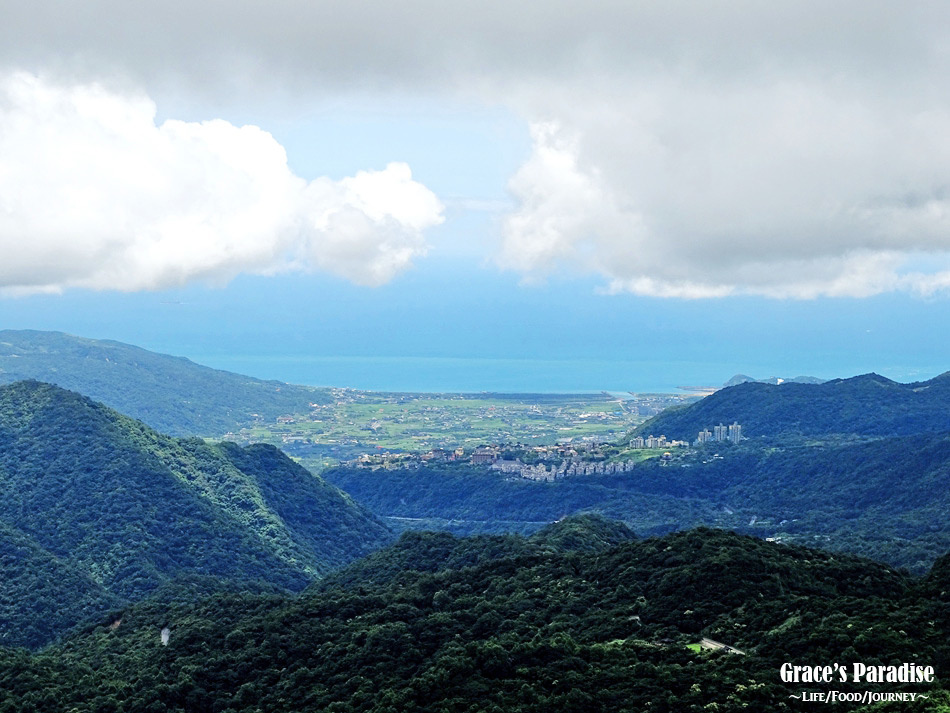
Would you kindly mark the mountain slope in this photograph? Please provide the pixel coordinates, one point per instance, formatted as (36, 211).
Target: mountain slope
(131, 508)
(320, 518)
(41, 596)
(583, 533)
(436, 551)
(526, 632)
(886, 499)
(171, 394)
(868, 405)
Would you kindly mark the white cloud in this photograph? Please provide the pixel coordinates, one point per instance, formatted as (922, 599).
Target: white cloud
(783, 188)
(682, 149)
(94, 194)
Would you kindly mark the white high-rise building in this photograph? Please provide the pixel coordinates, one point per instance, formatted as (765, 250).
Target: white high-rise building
(735, 432)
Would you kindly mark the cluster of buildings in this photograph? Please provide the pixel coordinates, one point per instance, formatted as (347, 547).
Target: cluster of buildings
(408, 460)
(485, 454)
(732, 433)
(546, 463)
(566, 469)
(565, 449)
(652, 441)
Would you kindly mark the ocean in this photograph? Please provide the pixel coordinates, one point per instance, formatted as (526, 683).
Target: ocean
(471, 375)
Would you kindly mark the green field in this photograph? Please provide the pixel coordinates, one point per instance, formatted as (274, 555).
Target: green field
(357, 422)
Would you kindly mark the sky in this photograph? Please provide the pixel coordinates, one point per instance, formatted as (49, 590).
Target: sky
(489, 195)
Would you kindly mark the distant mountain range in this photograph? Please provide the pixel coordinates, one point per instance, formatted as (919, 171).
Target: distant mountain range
(97, 509)
(742, 379)
(868, 405)
(171, 394)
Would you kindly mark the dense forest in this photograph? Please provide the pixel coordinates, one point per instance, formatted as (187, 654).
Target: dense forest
(171, 394)
(577, 618)
(869, 405)
(886, 499)
(96, 508)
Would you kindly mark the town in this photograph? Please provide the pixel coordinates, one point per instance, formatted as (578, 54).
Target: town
(540, 463)
(546, 463)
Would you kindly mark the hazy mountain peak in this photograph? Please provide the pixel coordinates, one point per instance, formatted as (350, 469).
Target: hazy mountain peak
(173, 394)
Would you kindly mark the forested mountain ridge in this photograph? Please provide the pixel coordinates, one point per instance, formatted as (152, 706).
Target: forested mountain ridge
(867, 405)
(117, 508)
(529, 631)
(422, 551)
(171, 394)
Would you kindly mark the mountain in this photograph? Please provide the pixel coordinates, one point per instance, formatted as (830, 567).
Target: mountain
(868, 405)
(589, 532)
(886, 498)
(633, 627)
(171, 394)
(742, 379)
(100, 508)
(426, 551)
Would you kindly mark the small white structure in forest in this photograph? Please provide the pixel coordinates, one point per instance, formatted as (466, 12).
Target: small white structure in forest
(166, 634)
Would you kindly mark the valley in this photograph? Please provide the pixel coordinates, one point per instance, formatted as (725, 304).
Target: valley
(505, 552)
(358, 422)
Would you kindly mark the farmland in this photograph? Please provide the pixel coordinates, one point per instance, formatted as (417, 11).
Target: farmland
(356, 422)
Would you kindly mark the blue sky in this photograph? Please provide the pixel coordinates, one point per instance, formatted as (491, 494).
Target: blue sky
(450, 309)
(587, 197)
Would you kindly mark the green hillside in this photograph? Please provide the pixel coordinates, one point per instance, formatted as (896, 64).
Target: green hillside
(617, 630)
(886, 499)
(868, 405)
(105, 508)
(41, 595)
(171, 394)
(423, 551)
